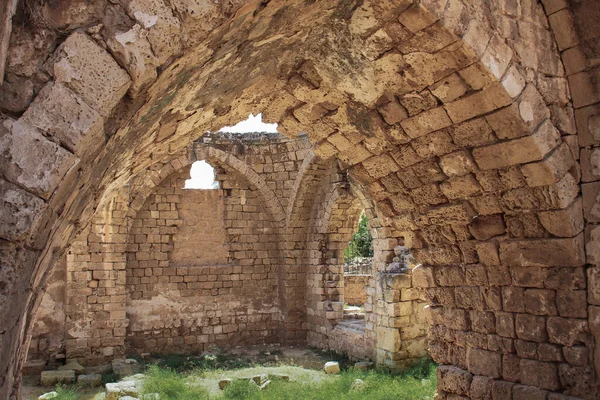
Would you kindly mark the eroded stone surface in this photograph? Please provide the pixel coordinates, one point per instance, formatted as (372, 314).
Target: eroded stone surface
(361, 83)
(32, 161)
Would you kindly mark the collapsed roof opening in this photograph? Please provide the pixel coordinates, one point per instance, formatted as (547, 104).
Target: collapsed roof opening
(252, 124)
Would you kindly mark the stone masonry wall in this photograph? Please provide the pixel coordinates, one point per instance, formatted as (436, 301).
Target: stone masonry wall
(355, 289)
(48, 335)
(210, 279)
(463, 122)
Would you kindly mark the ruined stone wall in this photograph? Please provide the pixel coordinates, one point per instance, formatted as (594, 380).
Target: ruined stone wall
(208, 276)
(96, 293)
(456, 116)
(355, 287)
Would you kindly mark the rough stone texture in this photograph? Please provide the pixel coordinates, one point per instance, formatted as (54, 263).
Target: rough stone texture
(51, 378)
(88, 70)
(355, 289)
(499, 81)
(61, 113)
(32, 161)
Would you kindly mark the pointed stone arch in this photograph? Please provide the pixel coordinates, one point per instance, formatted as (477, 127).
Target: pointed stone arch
(446, 124)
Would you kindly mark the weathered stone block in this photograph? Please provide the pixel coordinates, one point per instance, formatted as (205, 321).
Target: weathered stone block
(591, 201)
(529, 393)
(20, 211)
(114, 391)
(564, 223)
(532, 108)
(576, 355)
(507, 123)
(580, 380)
(164, 29)
(593, 280)
(450, 88)
(90, 72)
(134, 52)
(549, 352)
(484, 101)
(539, 374)
(513, 299)
(572, 303)
(488, 254)
(91, 380)
(528, 276)
(417, 18)
(481, 388)
(557, 196)
(583, 89)
(543, 252)
(531, 328)
(32, 161)
(434, 144)
(380, 166)
(388, 339)
(505, 324)
(565, 278)
(457, 164)
(567, 331)
(426, 122)
(487, 226)
(526, 349)
(483, 362)
(540, 302)
(422, 277)
(502, 390)
(454, 380)
(460, 187)
(518, 151)
(64, 115)
(551, 169)
(588, 125)
(51, 378)
(476, 132)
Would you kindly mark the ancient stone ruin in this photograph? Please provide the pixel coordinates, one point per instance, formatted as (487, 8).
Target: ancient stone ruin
(467, 131)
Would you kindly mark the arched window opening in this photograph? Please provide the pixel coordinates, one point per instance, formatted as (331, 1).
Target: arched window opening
(251, 125)
(202, 176)
(358, 260)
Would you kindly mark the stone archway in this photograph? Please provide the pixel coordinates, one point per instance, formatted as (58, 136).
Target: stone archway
(446, 124)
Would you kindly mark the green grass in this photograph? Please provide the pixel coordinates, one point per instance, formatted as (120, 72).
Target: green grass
(201, 383)
(186, 363)
(65, 393)
(416, 383)
(171, 385)
(378, 386)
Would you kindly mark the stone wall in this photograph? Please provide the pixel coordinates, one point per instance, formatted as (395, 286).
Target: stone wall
(355, 289)
(48, 332)
(208, 275)
(464, 123)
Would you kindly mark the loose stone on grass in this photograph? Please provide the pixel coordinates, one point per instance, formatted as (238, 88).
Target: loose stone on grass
(51, 378)
(363, 365)
(49, 395)
(332, 367)
(91, 380)
(223, 383)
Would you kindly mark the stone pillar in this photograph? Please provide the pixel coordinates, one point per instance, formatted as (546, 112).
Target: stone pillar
(96, 319)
